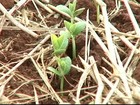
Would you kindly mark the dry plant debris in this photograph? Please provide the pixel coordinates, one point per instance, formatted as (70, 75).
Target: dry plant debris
(106, 69)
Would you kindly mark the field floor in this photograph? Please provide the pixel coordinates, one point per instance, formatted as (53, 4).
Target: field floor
(106, 70)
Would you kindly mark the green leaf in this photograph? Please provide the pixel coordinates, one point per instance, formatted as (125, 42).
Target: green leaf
(72, 28)
(55, 71)
(54, 40)
(59, 43)
(63, 42)
(77, 28)
(66, 33)
(64, 65)
(64, 9)
(59, 51)
(72, 8)
(78, 12)
(67, 25)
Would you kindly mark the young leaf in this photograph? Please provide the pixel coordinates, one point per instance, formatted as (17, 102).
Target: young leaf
(63, 42)
(54, 40)
(72, 8)
(77, 28)
(65, 65)
(78, 12)
(55, 71)
(66, 33)
(59, 43)
(72, 28)
(59, 51)
(64, 9)
(67, 25)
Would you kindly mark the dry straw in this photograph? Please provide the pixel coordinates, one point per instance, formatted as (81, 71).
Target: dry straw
(119, 85)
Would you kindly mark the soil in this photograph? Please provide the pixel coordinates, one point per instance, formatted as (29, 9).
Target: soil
(15, 44)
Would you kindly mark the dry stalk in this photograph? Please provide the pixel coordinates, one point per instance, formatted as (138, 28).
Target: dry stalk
(25, 58)
(135, 89)
(110, 84)
(107, 30)
(2, 88)
(113, 89)
(46, 80)
(98, 98)
(86, 40)
(39, 14)
(40, 29)
(112, 54)
(25, 82)
(87, 46)
(133, 19)
(131, 57)
(78, 68)
(123, 38)
(15, 7)
(3, 85)
(119, 69)
(83, 78)
(44, 6)
(136, 4)
(17, 23)
(125, 34)
(36, 96)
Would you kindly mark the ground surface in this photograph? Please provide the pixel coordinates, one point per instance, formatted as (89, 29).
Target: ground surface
(15, 44)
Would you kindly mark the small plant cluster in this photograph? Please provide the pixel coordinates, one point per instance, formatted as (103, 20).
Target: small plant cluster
(72, 28)
(64, 64)
(60, 43)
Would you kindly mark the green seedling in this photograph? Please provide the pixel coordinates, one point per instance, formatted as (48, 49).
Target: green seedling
(59, 44)
(71, 11)
(64, 65)
(73, 29)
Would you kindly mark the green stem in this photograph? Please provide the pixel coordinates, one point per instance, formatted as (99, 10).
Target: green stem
(98, 13)
(62, 84)
(72, 19)
(73, 48)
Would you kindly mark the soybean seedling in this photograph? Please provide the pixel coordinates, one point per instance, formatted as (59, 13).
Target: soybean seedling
(73, 28)
(64, 64)
(59, 44)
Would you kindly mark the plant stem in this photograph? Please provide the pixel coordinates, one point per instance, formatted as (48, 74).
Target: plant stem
(73, 48)
(98, 13)
(62, 84)
(72, 20)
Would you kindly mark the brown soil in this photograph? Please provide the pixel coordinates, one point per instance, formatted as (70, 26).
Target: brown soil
(15, 44)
